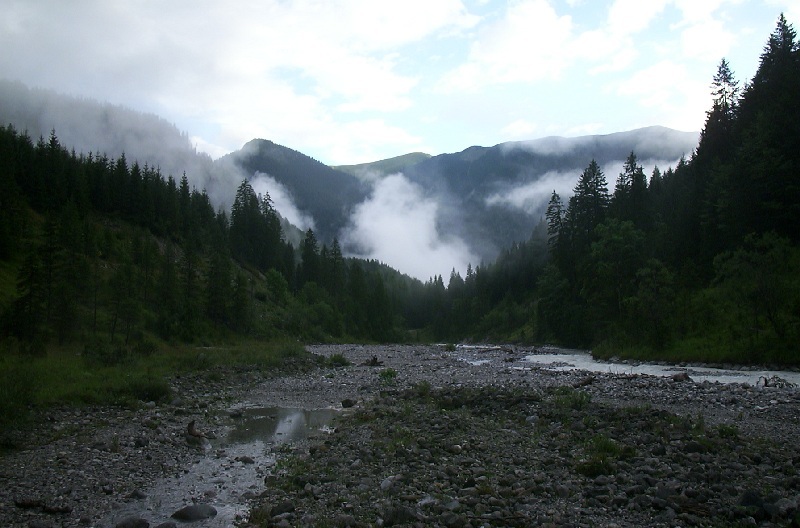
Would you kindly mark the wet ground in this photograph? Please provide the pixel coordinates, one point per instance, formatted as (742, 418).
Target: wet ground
(229, 471)
(94, 467)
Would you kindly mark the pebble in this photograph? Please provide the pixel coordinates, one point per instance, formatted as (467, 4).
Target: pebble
(528, 443)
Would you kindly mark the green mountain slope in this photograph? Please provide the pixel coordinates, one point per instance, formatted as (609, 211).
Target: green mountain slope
(378, 169)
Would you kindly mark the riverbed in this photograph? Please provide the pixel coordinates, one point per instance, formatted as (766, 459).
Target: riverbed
(96, 467)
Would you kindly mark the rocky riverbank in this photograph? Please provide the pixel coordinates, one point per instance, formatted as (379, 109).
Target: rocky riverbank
(73, 467)
(491, 442)
(431, 436)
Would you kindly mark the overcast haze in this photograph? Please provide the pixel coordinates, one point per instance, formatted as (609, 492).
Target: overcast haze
(356, 81)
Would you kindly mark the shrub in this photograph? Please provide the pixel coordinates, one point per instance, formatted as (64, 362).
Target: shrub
(387, 375)
(338, 360)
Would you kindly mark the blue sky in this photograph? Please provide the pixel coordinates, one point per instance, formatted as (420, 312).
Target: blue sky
(356, 81)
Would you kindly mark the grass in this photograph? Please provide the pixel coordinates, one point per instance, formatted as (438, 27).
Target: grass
(337, 360)
(387, 376)
(68, 376)
(600, 456)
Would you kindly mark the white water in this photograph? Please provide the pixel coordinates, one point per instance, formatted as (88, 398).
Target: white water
(555, 359)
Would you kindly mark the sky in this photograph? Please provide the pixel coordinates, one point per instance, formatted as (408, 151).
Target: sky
(356, 81)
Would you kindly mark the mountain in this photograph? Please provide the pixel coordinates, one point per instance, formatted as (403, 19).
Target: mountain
(482, 198)
(486, 197)
(326, 194)
(86, 125)
(378, 169)
(495, 196)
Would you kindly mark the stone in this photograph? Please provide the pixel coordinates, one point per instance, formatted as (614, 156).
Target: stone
(132, 522)
(40, 524)
(785, 507)
(398, 514)
(195, 512)
(281, 508)
(388, 482)
(168, 524)
(344, 520)
(28, 503)
(56, 508)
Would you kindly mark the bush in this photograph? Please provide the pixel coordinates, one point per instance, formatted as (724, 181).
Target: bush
(387, 375)
(338, 360)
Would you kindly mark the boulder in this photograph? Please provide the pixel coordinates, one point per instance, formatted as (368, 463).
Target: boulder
(195, 512)
(132, 522)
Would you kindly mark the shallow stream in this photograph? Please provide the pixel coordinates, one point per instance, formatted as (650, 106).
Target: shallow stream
(579, 360)
(229, 470)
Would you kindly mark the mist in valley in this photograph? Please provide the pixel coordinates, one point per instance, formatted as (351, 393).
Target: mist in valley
(447, 213)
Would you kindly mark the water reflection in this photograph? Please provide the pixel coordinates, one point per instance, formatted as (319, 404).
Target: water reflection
(229, 471)
(279, 425)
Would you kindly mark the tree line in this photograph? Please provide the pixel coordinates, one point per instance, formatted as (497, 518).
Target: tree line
(700, 261)
(111, 254)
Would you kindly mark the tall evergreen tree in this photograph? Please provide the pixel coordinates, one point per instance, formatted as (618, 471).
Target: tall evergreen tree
(764, 194)
(587, 206)
(309, 254)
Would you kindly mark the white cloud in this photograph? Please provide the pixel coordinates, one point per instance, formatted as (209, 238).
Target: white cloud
(281, 199)
(305, 71)
(672, 96)
(696, 11)
(626, 17)
(214, 62)
(519, 129)
(708, 40)
(356, 141)
(528, 44)
(533, 197)
(397, 226)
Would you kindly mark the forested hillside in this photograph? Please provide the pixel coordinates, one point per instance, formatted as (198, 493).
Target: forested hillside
(116, 256)
(700, 261)
(696, 261)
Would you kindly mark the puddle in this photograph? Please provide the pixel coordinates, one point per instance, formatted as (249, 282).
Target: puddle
(279, 424)
(577, 360)
(230, 471)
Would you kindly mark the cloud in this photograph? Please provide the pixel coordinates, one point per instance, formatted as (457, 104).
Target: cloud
(678, 100)
(282, 200)
(532, 197)
(397, 225)
(356, 140)
(626, 17)
(526, 45)
(519, 129)
(210, 62)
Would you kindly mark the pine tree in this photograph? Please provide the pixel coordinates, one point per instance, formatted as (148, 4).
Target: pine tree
(764, 195)
(555, 220)
(588, 205)
(309, 255)
(630, 194)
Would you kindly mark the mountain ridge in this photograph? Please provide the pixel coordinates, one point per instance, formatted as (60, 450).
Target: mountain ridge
(484, 197)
